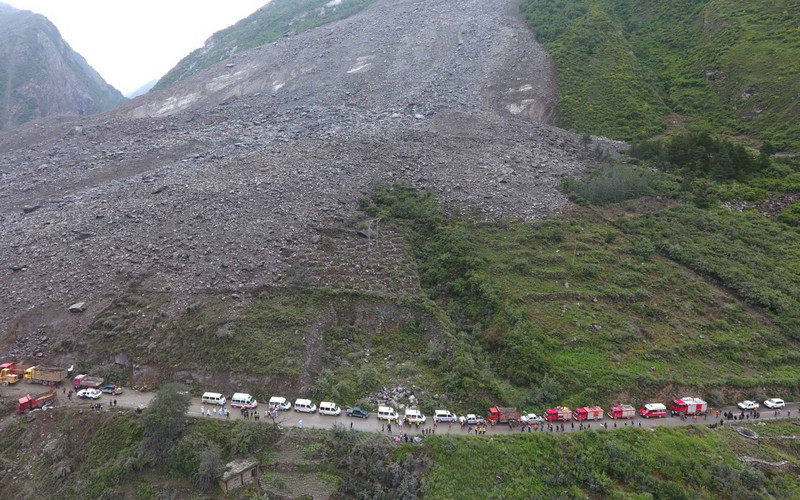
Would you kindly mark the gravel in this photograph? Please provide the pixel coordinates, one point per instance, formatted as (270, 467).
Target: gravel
(233, 179)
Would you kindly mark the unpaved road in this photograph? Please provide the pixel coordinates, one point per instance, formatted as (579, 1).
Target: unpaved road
(131, 400)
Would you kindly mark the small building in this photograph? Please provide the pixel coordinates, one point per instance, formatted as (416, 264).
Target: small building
(238, 474)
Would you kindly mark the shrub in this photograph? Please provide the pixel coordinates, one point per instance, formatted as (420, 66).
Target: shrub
(210, 468)
(612, 183)
(715, 398)
(163, 421)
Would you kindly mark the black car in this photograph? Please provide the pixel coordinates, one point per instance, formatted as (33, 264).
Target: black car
(356, 411)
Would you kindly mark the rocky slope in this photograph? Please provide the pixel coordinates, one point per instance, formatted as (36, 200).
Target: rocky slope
(249, 172)
(42, 75)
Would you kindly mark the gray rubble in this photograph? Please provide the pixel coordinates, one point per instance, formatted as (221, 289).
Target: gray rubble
(227, 181)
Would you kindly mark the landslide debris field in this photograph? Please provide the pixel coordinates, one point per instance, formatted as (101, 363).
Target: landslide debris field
(229, 180)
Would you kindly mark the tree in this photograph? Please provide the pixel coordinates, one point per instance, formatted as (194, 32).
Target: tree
(163, 421)
(210, 468)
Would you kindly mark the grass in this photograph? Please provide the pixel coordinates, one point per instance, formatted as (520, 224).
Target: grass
(630, 463)
(593, 306)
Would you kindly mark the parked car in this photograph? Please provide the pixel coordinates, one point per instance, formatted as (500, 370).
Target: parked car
(89, 394)
(111, 389)
(531, 418)
(444, 416)
(774, 403)
(281, 403)
(471, 419)
(746, 405)
(357, 411)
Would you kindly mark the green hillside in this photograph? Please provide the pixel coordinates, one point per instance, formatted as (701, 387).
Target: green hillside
(266, 25)
(630, 70)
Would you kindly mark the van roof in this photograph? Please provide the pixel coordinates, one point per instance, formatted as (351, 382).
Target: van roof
(411, 411)
(327, 403)
(241, 395)
(212, 395)
(655, 406)
(300, 401)
(385, 408)
(277, 399)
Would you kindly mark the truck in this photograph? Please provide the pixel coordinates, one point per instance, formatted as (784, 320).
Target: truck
(622, 411)
(653, 410)
(588, 413)
(84, 381)
(45, 375)
(11, 373)
(688, 406)
(558, 414)
(29, 402)
(499, 415)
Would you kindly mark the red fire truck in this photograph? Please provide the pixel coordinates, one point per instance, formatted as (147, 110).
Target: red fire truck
(688, 406)
(588, 413)
(622, 411)
(558, 414)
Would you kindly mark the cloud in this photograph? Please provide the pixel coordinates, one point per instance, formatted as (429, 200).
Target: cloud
(131, 43)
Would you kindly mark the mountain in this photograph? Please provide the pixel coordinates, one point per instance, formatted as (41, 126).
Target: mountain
(233, 179)
(42, 75)
(276, 19)
(142, 90)
(375, 211)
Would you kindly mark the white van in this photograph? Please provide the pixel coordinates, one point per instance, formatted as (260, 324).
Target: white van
(213, 398)
(387, 413)
(413, 416)
(329, 408)
(243, 400)
(280, 403)
(444, 416)
(305, 405)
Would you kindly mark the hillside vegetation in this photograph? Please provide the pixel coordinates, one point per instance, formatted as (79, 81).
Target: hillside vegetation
(630, 70)
(269, 23)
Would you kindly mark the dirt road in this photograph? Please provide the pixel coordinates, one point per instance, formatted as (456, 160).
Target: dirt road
(133, 400)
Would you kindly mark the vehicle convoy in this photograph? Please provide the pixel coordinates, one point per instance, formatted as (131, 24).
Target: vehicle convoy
(588, 413)
(29, 402)
(622, 411)
(45, 375)
(498, 415)
(558, 414)
(653, 410)
(84, 381)
(688, 406)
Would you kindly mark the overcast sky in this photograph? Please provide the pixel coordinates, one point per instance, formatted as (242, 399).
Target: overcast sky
(133, 42)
